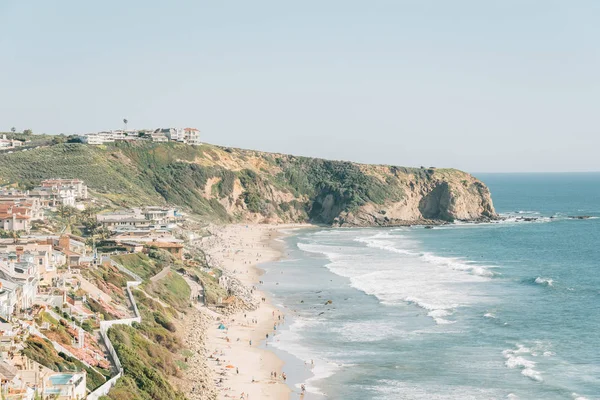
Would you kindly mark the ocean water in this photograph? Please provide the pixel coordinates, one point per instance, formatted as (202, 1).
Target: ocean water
(507, 310)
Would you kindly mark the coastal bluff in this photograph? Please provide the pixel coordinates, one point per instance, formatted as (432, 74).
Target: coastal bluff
(225, 184)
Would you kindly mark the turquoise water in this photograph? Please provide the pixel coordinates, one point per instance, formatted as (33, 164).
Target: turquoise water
(490, 311)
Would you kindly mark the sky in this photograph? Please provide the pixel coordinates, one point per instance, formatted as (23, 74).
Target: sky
(483, 86)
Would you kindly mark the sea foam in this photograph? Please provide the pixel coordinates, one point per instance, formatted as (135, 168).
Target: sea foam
(515, 359)
(410, 276)
(544, 281)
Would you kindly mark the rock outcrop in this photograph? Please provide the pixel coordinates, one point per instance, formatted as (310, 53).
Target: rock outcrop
(447, 198)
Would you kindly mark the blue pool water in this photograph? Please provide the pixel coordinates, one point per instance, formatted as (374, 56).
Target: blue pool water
(489, 311)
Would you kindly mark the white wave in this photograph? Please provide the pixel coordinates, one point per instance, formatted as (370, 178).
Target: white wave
(457, 264)
(544, 281)
(532, 374)
(385, 245)
(423, 279)
(370, 331)
(454, 263)
(578, 397)
(489, 315)
(387, 389)
(512, 396)
(437, 317)
(516, 360)
(290, 340)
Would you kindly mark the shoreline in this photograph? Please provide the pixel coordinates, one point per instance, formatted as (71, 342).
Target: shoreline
(239, 357)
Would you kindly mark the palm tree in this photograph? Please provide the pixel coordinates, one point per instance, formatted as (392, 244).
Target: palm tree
(13, 129)
(125, 122)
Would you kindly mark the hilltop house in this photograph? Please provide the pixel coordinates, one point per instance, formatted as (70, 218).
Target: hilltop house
(191, 136)
(9, 143)
(182, 135)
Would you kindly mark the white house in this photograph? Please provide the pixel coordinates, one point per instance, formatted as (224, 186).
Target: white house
(192, 136)
(65, 386)
(76, 185)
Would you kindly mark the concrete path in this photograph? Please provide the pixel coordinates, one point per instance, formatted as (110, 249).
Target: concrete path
(161, 274)
(196, 289)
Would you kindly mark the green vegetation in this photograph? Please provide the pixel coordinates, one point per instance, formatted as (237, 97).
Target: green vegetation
(172, 289)
(212, 290)
(157, 322)
(204, 179)
(139, 264)
(150, 352)
(146, 367)
(41, 351)
(108, 279)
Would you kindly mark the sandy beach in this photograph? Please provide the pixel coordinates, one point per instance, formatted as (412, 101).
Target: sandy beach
(242, 369)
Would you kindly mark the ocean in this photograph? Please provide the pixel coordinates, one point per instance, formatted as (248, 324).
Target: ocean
(507, 310)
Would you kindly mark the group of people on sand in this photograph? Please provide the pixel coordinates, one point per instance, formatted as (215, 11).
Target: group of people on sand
(274, 375)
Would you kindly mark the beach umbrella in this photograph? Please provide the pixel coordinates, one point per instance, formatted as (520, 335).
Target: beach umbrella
(221, 326)
(229, 366)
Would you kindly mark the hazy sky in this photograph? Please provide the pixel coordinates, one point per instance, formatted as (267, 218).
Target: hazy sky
(477, 85)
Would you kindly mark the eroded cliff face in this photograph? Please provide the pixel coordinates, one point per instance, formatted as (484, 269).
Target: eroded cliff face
(283, 188)
(454, 196)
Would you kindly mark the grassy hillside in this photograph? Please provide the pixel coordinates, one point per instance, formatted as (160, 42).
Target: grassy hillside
(222, 183)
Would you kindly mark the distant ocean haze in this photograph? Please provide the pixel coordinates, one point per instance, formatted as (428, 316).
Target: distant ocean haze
(502, 310)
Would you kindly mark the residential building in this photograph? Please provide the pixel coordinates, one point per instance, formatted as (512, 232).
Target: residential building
(157, 137)
(53, 197)
(76, 185)
(65, 386)
(23, 272)
(43, 254)
(98, 138)
(157, 213)
(14, 218)
(73, 250)
(176, 249)
(9, 298)
(36, 211)
(192, 136)
(9, 143)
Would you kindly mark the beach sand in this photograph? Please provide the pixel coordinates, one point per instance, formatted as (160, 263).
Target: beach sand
(239, 249)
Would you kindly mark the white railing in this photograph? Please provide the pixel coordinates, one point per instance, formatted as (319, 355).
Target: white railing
(105, 326)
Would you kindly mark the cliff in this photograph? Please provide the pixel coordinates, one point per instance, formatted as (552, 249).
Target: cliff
(225, 184)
